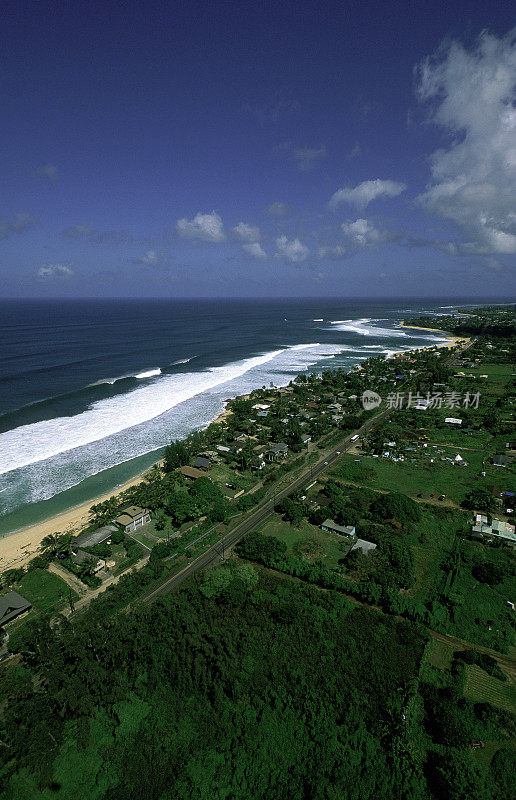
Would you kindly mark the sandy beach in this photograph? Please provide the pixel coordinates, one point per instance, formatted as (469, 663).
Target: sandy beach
(19, 547)
(452, 341)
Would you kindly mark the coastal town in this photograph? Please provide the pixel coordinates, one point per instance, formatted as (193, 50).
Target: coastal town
(392, 484)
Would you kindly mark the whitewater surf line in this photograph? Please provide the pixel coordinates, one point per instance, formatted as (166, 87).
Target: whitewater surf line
(36, 442)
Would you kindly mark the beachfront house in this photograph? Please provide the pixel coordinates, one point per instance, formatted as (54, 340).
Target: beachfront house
(343, 530)
(93, 538)
(201, 462)
(132, 518)
(12, 605)
(190, 473)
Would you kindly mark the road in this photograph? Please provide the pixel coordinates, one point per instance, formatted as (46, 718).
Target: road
(219, 550)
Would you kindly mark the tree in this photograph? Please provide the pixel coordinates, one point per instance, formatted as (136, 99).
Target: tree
(160, 519)
(479, 500)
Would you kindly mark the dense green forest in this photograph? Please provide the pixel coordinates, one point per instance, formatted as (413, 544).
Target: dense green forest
(244, 686)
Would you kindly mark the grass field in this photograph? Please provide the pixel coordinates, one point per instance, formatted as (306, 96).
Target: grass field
(439, 654)
(44, 589)
(423, 477)
(306, 541)
(482, 687)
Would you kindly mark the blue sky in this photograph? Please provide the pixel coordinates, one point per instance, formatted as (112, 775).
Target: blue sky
(258, 149)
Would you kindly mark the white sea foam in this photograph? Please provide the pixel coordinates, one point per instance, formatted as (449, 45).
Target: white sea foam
(364, 327)
(106, 418)
(182, 361)
(151, 373)
(318, 320)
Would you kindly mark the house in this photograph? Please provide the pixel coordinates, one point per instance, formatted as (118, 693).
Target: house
(332, 527)
(81, 557)
(262, 414)
(261, 407)
(93, 538)
(500, 460)
(305, 438)
(12, 605)
(191, 473)
(202, 463)
(497, 527)
(364, 546)
(133, 517)
(276, 452)
(453, 421)
(223, 449)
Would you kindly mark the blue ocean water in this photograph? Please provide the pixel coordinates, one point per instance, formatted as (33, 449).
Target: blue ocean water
(90, 390)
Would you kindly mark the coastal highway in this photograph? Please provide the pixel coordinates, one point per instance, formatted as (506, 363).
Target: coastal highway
(218, 550)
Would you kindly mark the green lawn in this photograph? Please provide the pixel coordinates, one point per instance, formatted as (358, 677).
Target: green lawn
(306, 541)
(439, 654)
(482, 687)
(423, 477)
(44, 589)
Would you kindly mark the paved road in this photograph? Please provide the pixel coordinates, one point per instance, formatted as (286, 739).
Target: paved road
(218, 550)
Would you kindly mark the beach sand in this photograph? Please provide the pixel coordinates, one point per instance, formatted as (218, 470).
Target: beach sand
(452, 341)
(19, 547)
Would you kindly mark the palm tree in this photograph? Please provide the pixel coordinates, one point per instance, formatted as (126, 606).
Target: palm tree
(50, 543)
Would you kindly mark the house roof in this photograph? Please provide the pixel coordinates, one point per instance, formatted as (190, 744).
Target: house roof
(92, 538)
(349, 530)
(201, 461)
(364, 546)
(12, 605)
(134, 511)
(280, 447)
(82, 557)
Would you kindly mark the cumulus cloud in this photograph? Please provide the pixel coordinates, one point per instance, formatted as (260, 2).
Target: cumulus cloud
(207, 227)
(55, 271)
(363, 233)
(246, 233)
(254, 249)
(364, 193)
(277, 209)
(20, 223)
(292, 250)
(472, 94)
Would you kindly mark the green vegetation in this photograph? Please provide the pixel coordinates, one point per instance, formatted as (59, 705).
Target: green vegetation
(44, 589)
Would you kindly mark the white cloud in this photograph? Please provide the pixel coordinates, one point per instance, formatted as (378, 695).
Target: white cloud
(151, 258)
(246, 233)
(474, 177)
(362, 194)
(254, 249)
(293, 250)
(362, 233)
(20, 223)
(55, 271)
(332, 252)
(277, 209)
(305, 158)
(208, 227)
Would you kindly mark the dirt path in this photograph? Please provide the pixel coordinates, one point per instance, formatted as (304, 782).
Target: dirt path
(72, 581)
(113, 579)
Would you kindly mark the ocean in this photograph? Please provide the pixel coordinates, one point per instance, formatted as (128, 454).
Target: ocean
(92, 390)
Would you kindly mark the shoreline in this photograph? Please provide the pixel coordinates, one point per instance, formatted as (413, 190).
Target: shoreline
(452, 339)
(19, 546)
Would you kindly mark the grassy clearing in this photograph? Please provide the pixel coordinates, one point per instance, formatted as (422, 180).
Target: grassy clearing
(306, 541)
(439, 654)
(44, 589)
(481, 687)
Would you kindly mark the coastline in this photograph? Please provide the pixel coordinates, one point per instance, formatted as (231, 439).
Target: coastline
(452, 340)
(18, 547)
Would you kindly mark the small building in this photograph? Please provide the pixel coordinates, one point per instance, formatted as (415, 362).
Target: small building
(453, 421)
(223, 449)
(12, 605)
(305, 438)
(132, 518)
(332, 527)
(497, 527)
(501, 460)
(364, 546)
(93, 538)
(202, 463)
(276, 452)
